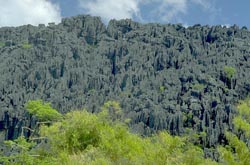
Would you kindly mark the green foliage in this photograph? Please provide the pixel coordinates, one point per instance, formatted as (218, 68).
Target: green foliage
(26, 45)
(236, 152)
(244, 109)
(229, 71)
(162, 88)
(74, 133)
(81, 137)
(92, 139)
(242, 120)
(114, 104)
(198, 139)
(43, 111)
(112, 110)
(242, 125)
(198, 87)
(20, 152)
(2, 44)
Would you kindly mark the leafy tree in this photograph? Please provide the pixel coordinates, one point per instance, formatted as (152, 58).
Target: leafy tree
(43, 111)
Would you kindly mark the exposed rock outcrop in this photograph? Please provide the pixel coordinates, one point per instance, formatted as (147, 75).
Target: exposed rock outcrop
(165, 76)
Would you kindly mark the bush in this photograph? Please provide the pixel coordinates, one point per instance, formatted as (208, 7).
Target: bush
(198, 87)
(2, 44)
(26, 45)
(162, 88)
(242, 120)
(229, 71)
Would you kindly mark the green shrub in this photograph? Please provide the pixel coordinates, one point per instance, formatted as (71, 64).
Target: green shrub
(162, 88)
(2, 44)
(198, 87)
(242, 120)
(26, 45)
(229, 71)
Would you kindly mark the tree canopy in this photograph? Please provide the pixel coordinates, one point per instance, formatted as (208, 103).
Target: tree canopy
(81, 137)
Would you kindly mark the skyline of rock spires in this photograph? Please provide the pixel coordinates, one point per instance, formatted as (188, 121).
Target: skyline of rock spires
(164, 76)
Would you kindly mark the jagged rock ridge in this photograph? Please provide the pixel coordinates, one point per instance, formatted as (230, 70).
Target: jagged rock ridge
(164, 76)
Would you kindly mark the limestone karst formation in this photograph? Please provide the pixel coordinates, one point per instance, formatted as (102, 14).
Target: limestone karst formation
(164, 76)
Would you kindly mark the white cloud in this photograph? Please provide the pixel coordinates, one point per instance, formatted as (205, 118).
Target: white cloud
(209, 7)
(206, 5)
(121, 9)
(111, 9)
(21, 12)
(170, 9)
(173, 10)
(156, 10)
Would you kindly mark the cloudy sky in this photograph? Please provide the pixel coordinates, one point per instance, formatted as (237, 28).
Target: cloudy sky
(187, 12)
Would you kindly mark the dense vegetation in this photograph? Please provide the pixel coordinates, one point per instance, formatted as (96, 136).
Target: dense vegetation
(80, 137)
(186, 81)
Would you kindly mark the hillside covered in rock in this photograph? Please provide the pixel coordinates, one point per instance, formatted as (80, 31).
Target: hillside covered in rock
(164, 76)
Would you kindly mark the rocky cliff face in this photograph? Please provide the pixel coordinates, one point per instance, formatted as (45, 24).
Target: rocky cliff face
(164, 76)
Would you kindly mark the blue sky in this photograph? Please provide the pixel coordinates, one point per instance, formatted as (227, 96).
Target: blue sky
(187, 12)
